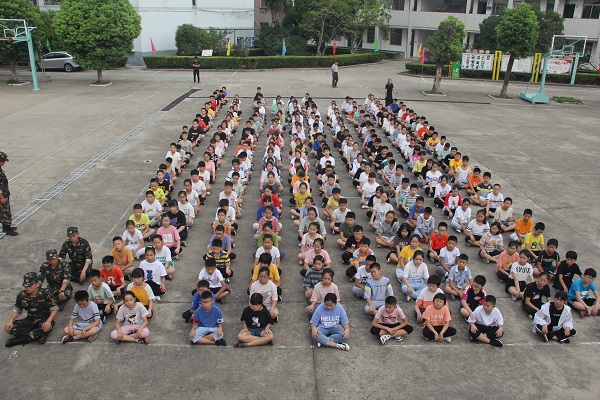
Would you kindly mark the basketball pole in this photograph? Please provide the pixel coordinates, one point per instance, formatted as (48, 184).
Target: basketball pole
(34, 76)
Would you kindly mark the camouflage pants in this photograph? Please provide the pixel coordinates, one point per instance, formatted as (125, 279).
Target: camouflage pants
(68, 292)
(76, 272)
(5, 214)
(29, 327)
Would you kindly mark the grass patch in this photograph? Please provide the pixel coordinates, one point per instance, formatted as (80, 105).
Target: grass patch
(13, 81)
(567, 100)
(101, 83)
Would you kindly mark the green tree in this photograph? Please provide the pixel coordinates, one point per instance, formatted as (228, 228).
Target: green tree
(323, 20)
(486, 39)
(271, 39)
(368, 13)
(278, 8)
(517, 35)
(13, 51)
(445, 45)
(550, 23)
(98, 34)
(191, 40)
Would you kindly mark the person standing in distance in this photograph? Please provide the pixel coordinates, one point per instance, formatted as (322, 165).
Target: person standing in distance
(334, 74)
(389, 92)
(196, 69)
(5, 214)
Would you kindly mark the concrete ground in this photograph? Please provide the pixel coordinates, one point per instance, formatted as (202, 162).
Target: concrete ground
(538, 153)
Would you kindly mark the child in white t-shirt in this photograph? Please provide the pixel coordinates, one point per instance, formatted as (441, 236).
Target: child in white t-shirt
(86, 311)
(486, 323)
(521, 273)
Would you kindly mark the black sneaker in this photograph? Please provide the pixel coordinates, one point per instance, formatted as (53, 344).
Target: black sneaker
(183, 243)
(496, 343)
(565, 340)
(16, 341)
(220, 342)
(43, 339)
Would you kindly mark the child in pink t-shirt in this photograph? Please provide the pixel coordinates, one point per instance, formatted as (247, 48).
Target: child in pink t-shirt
(390, 322)
(170, 236)
(321, 289)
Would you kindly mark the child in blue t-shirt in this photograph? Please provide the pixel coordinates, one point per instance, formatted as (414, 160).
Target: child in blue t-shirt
(329, 324)
(207, 325)
(203, 286)
(579, 294)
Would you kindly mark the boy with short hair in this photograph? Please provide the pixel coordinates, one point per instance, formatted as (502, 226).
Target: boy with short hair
(579, 292)
(565, 272)
(554, 320)
(141, 219)
(112, 275)
(217, 284)
(523, 226)
(89, 324)
(533, 243)
(207, 323)
(425, 225)
(122, 255)
(201, 287)
(390, 322)
(459, 278)
(548, 259)
(473, 296)
(377, 289)
(221, 258)
(534, 294)
(486, 323)
(448, 257)
(101, 294)
(425, 298)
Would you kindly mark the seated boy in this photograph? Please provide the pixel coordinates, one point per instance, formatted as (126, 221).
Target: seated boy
(554, 320)
(534, 294)
(425, 298)
(265, 260)
(579, 294)
(89, 324)
(377, 289)
(565, 272)
(203, 286)
(207, 325)
(486, 323)
(217, 284)
(524, 225)
(473, 296)
(122, 255)
(221, 258)
(459, 278)
(101, 294)
(390, 322)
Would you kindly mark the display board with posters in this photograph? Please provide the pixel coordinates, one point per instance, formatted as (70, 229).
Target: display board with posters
(522, 65)
(207, 53)
(560, 66)
(483, 62)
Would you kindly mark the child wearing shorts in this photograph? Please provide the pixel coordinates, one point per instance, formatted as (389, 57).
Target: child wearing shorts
(256, 324)
(86, 311)
(207, 323)
(390, 322)
(132, 321)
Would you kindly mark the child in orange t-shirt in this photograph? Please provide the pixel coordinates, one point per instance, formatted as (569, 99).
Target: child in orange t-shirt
(473, 181)
(505, 260)
(437, 320)
(524, 226)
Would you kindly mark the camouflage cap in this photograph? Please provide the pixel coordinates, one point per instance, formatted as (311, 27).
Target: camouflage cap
(51, 254)
(30, 278)
(3, 156)
(72, 231)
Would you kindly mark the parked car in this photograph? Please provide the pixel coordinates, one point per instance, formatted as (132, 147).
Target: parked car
(57, 60)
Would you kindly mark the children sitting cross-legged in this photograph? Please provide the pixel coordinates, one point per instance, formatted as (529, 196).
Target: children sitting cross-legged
(207, 323)
(89, 324)
(390, 322)
(256, 324)
(486, 323)
(554, 320)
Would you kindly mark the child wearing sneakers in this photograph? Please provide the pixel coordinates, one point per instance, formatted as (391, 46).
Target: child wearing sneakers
(486, 323)
(390, 322)
(521, 274)
(426, 296)
(329, 324)
(86, 311)
(473, 296)
(579, 292)
(554, 320)
(459, 278)
(437, 321)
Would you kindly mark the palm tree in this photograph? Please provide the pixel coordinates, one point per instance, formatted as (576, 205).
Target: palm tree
(277, 8)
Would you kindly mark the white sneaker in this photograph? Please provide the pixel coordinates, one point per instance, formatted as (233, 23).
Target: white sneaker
(156, 298)
(343, 346)
(514, 297)
(408, 299)
(384, 338)
(399, 338)
(448, 339)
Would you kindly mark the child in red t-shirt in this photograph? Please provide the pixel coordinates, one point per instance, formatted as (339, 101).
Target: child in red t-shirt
(112, 275)
(438, 242)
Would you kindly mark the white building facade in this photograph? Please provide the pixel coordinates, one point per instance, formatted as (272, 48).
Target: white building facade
(414, 20)
(160, 19)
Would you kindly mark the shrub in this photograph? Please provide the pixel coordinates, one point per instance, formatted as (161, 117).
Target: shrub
(267, 62)
(191, 40)
(582, 78)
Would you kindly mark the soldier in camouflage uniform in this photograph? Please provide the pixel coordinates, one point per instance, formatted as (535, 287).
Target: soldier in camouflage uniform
(80, 253)
(5, 214)
(41, 309)
(58, 275)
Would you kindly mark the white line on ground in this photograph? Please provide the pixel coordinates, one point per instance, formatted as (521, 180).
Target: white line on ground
(423, 79)
(234, 73)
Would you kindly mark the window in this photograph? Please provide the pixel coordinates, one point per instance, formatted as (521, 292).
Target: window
(591, 10)
(481, 6)
(569, 10)
(498, 6)
(396, 37)
(51, 2)
(398, 5)
(371, 34)
(193, 3)
(550, 5)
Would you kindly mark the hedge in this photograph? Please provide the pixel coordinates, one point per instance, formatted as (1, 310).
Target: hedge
(268, 62)
(581, 78)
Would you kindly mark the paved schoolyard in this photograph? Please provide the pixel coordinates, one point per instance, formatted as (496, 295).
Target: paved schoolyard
(542, 156)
